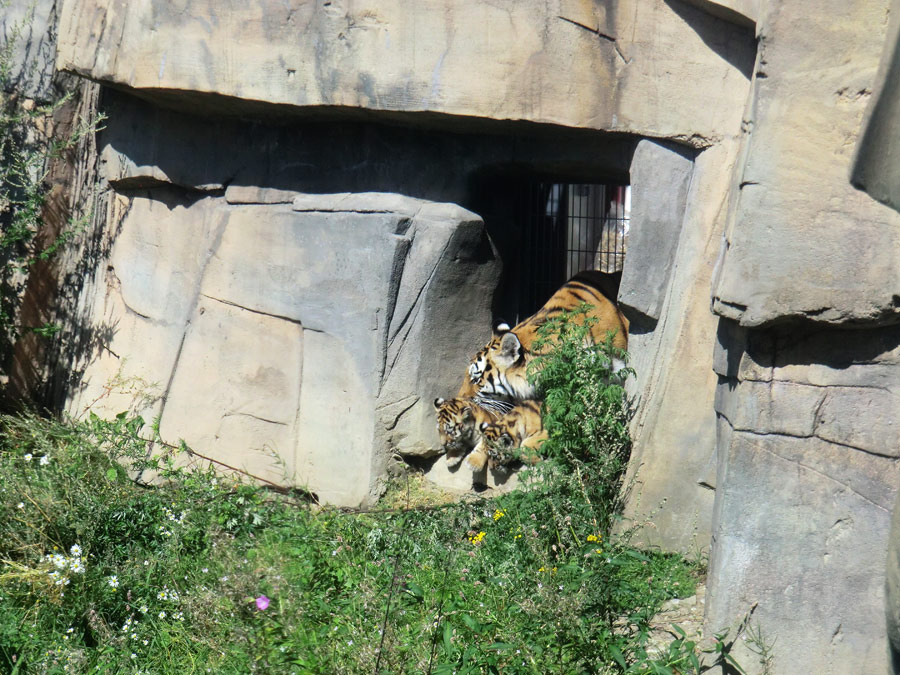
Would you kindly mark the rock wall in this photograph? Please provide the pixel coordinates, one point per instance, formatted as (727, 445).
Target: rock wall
(807, 476)
(259, 312)
(581, 67)
(620, 66)
(28, 31)
(809, 384)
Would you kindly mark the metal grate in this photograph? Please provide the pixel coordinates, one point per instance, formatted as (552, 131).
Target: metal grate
(568, 228)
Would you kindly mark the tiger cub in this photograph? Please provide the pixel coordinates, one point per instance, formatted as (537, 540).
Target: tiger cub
(520, 428)
(458, 422)
(499, 370)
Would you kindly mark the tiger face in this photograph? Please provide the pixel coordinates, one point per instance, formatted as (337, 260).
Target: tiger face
(458, 420)
(497, 371)
(500, 369)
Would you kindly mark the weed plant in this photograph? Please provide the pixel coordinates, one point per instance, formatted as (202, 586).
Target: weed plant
(30, 141)
(203, 573)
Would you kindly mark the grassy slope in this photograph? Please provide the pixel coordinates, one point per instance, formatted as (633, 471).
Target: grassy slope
(406, 590)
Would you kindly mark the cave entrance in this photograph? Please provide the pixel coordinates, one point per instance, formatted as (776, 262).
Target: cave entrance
(546, 231)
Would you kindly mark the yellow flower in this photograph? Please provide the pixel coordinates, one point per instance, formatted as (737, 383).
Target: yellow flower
(476, 539)
(598, 551)
(594, 537)
(498, 514)
(541, 569)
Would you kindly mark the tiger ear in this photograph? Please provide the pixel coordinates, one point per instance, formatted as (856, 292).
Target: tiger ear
(501, 327)
(467, 414)
(484, 426)
(438, 402)
(510, 349)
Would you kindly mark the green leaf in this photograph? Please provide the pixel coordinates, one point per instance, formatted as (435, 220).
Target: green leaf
(472, 623)
(413, 589)
(448, 635)
(111, 474)
(695, 662)
(499, 646)
(617, 655)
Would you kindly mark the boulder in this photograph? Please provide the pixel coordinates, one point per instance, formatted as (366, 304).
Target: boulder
(801, 242)
(296, 341)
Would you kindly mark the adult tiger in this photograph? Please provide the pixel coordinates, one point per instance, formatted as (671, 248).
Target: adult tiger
(499, 370)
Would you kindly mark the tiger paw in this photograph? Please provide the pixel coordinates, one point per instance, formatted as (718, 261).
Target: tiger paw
(454, 460)
(476, 461)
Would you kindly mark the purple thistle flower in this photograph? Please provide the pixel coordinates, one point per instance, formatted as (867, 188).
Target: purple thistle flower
(262, 602)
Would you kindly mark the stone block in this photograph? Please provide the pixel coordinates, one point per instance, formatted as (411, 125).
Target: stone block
(801, 241)
(307, 267)
(861, 417)
(335, 423)
(303, 346)
(801, 528)
(359, 202)
(159, 255)
(660, 178)
(838, 357)
(674, 428)
(251, 194)
(770, 407)
(234, 393)
(422, 334)
(519, 60)
(107, 375)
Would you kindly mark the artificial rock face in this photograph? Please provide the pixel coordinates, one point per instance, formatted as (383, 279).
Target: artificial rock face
(292, 340)
(259, 323)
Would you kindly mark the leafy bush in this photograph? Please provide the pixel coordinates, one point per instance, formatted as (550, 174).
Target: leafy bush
(586, 411)
(200, 572)
(31, 139)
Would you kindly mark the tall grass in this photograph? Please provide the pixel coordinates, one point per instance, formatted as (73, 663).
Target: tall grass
(203, 573)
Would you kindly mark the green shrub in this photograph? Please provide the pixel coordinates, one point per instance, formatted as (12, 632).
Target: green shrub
(99, 574)
(31, 139)
(585, 412)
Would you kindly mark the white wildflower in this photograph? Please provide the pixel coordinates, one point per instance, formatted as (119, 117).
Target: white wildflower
(45, 460)
(27, 457)
(113, 581)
